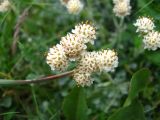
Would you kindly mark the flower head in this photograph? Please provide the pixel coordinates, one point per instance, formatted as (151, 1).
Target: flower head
(83, 79)
(88, 62)
(74, 6)
(107, 60)
(92, 62)
(4, 6)
(87, 31)
(122, 8)
(73, 46)
(56, 58)
(87, 65)
(152, 40)
(144, 25)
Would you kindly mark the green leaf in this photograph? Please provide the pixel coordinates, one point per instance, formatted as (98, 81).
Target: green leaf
(138, 83)
(74, 105)
(153, 57)
(132, 112)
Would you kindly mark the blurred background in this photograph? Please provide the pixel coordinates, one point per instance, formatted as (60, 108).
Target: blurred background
(44, 25)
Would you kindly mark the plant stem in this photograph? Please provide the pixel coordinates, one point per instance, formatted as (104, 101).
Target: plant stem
(36, 81)
(120, 31)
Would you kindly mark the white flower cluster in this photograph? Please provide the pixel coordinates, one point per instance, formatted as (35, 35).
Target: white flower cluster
(87, 65)
(4, 6)
(151, 38)
(144, 25)
(121, 8)
(73, 47)
(57, 58)
(105, 60)
(86, 31)
(73, 6)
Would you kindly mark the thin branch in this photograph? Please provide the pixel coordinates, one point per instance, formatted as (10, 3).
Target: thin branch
(17, 29)
(36, 81)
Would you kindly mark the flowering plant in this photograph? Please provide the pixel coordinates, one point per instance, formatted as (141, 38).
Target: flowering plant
(79, 60)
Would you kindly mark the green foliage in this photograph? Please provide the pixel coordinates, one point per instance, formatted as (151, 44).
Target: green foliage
(75, 106)
(153, 57)
(132, 112)
(133, 109)
(138, 83)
